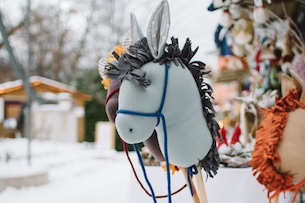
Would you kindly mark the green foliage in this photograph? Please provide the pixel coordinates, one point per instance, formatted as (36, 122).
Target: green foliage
(94, 112)
(89, 81)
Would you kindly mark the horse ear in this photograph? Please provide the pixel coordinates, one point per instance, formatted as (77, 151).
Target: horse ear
(299, 84)
(135, 30)
(127, 41)
(287, 84)
(157, 30)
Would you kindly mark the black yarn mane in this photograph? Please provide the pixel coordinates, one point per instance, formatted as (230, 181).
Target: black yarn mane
(128, 66)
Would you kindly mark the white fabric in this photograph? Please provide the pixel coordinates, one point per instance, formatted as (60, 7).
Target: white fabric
(189, 138)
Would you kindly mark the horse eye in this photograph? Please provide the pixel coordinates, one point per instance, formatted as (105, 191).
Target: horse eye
(130, 130)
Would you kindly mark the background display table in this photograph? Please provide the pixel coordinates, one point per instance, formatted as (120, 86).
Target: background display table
(230, 185)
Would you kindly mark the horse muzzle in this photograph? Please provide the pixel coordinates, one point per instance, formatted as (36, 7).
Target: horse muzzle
(135, 129)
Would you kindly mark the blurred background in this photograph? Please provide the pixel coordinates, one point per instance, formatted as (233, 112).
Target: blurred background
(53, 124)
(65, 39)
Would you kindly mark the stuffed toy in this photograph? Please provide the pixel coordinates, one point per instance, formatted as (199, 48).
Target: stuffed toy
(278, 160)
(158, 81)
(153, 49)
(248, 119)
(221, 35)
(111, 102)
(242, 30)
(268, 60)
(224, 41)
(260, 12)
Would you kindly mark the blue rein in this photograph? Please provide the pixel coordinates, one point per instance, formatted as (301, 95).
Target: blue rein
(158, 115)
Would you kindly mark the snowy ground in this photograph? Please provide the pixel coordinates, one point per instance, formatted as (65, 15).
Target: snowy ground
(83, 173)
(77, 173)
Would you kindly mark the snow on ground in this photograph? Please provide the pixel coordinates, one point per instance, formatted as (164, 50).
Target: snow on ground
(83, 173)
(77, 173)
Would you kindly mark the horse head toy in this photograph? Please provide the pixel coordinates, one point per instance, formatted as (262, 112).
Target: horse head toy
(278, 159)
(112, 98)
(248, 119)
(162, 90)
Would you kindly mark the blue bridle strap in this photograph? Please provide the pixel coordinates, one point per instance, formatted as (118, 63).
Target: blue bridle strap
(144, 173)
(192, 170)
(158, 115)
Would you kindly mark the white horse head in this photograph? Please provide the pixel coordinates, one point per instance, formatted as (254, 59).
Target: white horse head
(158, 91)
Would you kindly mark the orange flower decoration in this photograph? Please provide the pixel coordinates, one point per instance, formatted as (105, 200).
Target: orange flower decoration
(119, 49)
(105, 82)
(173, 168)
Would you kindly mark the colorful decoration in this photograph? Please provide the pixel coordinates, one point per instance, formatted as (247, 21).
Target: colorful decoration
(119, 49)
(274, 47)
(278, 157)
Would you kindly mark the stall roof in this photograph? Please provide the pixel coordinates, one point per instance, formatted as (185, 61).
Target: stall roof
(38, 81)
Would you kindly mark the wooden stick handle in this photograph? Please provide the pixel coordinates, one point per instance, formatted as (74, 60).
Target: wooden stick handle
(200, 186)
(195, 195)
(275, 199)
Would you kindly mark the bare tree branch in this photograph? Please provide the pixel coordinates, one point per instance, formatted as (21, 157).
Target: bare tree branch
(13, 30)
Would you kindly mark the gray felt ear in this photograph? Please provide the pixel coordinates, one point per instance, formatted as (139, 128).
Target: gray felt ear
(127, 41)
(157, 30)
(135, 30)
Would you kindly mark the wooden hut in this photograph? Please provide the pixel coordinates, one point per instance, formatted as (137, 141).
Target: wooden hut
(13, 97)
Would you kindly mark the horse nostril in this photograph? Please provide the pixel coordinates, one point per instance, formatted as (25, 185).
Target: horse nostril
(130, 130)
